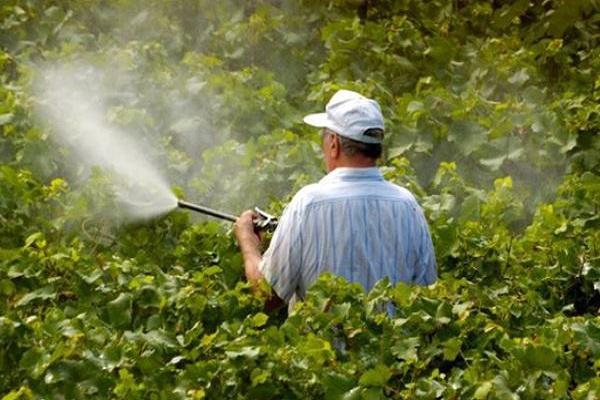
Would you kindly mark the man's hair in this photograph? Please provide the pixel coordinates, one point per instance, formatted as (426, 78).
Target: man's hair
(352, 147)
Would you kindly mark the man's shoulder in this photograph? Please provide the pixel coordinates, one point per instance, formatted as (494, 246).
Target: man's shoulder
(319, 191)
(400, 191)
(305, 195)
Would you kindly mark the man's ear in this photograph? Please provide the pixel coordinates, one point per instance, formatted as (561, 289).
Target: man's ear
(334, 147)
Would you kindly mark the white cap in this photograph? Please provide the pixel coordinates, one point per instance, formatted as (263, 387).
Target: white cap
(351, 115)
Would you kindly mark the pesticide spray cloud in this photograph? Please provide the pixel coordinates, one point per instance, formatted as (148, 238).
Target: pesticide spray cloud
(72, 102)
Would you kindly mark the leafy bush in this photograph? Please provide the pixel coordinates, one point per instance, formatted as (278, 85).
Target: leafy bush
(492, 118)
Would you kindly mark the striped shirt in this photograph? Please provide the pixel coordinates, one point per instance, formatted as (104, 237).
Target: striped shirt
(354, 224)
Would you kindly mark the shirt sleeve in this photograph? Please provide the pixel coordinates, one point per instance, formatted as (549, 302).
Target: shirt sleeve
(282, 262)
(426, 270)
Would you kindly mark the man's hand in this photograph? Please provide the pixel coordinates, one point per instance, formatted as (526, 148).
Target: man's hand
(249, 242)
(244, 231)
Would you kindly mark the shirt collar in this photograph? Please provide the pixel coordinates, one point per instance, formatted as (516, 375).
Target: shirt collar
(353, 174)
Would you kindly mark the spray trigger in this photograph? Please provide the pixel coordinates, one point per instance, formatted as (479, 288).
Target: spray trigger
(264, 221)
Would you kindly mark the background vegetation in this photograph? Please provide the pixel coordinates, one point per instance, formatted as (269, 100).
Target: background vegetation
(492, 112)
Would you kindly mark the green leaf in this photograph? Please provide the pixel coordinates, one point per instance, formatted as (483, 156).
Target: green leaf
(414, 106)
(352, 394)
(316, 348)
(588, 334)
(402, 294)
(44, 293)
(33, 238)
(36, 362)
(377, 376)
(7, 287)
(398, 151)
(493, 164)
(452, 348)
(23, 393)
(259, 319)
(337, 385)
(406, 349)
(507, 14)
(259, 376)
(5, 118)
(119, 310)
(482, 391)
(519, 78)
(462, 309)
(539, 357)
(534, 95)
(250, 352)
(467, 135)
(159, 338)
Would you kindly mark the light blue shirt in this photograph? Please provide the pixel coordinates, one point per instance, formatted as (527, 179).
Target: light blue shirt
(354, 224)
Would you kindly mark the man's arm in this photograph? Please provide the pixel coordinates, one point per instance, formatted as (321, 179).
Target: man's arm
(249, 243)
(426, 263)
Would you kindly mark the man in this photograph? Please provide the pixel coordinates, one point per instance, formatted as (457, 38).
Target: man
(352, 222)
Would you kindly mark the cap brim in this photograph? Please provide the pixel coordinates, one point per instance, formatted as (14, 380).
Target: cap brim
(319, 120)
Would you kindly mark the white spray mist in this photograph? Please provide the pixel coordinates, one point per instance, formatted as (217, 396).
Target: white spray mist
(72, 101)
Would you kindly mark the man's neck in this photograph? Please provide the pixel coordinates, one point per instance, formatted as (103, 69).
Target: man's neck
(355, 162)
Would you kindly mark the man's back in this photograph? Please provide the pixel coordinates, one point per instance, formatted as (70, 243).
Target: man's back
(354, 224)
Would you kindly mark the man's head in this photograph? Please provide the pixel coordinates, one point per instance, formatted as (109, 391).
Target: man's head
(352, 130)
